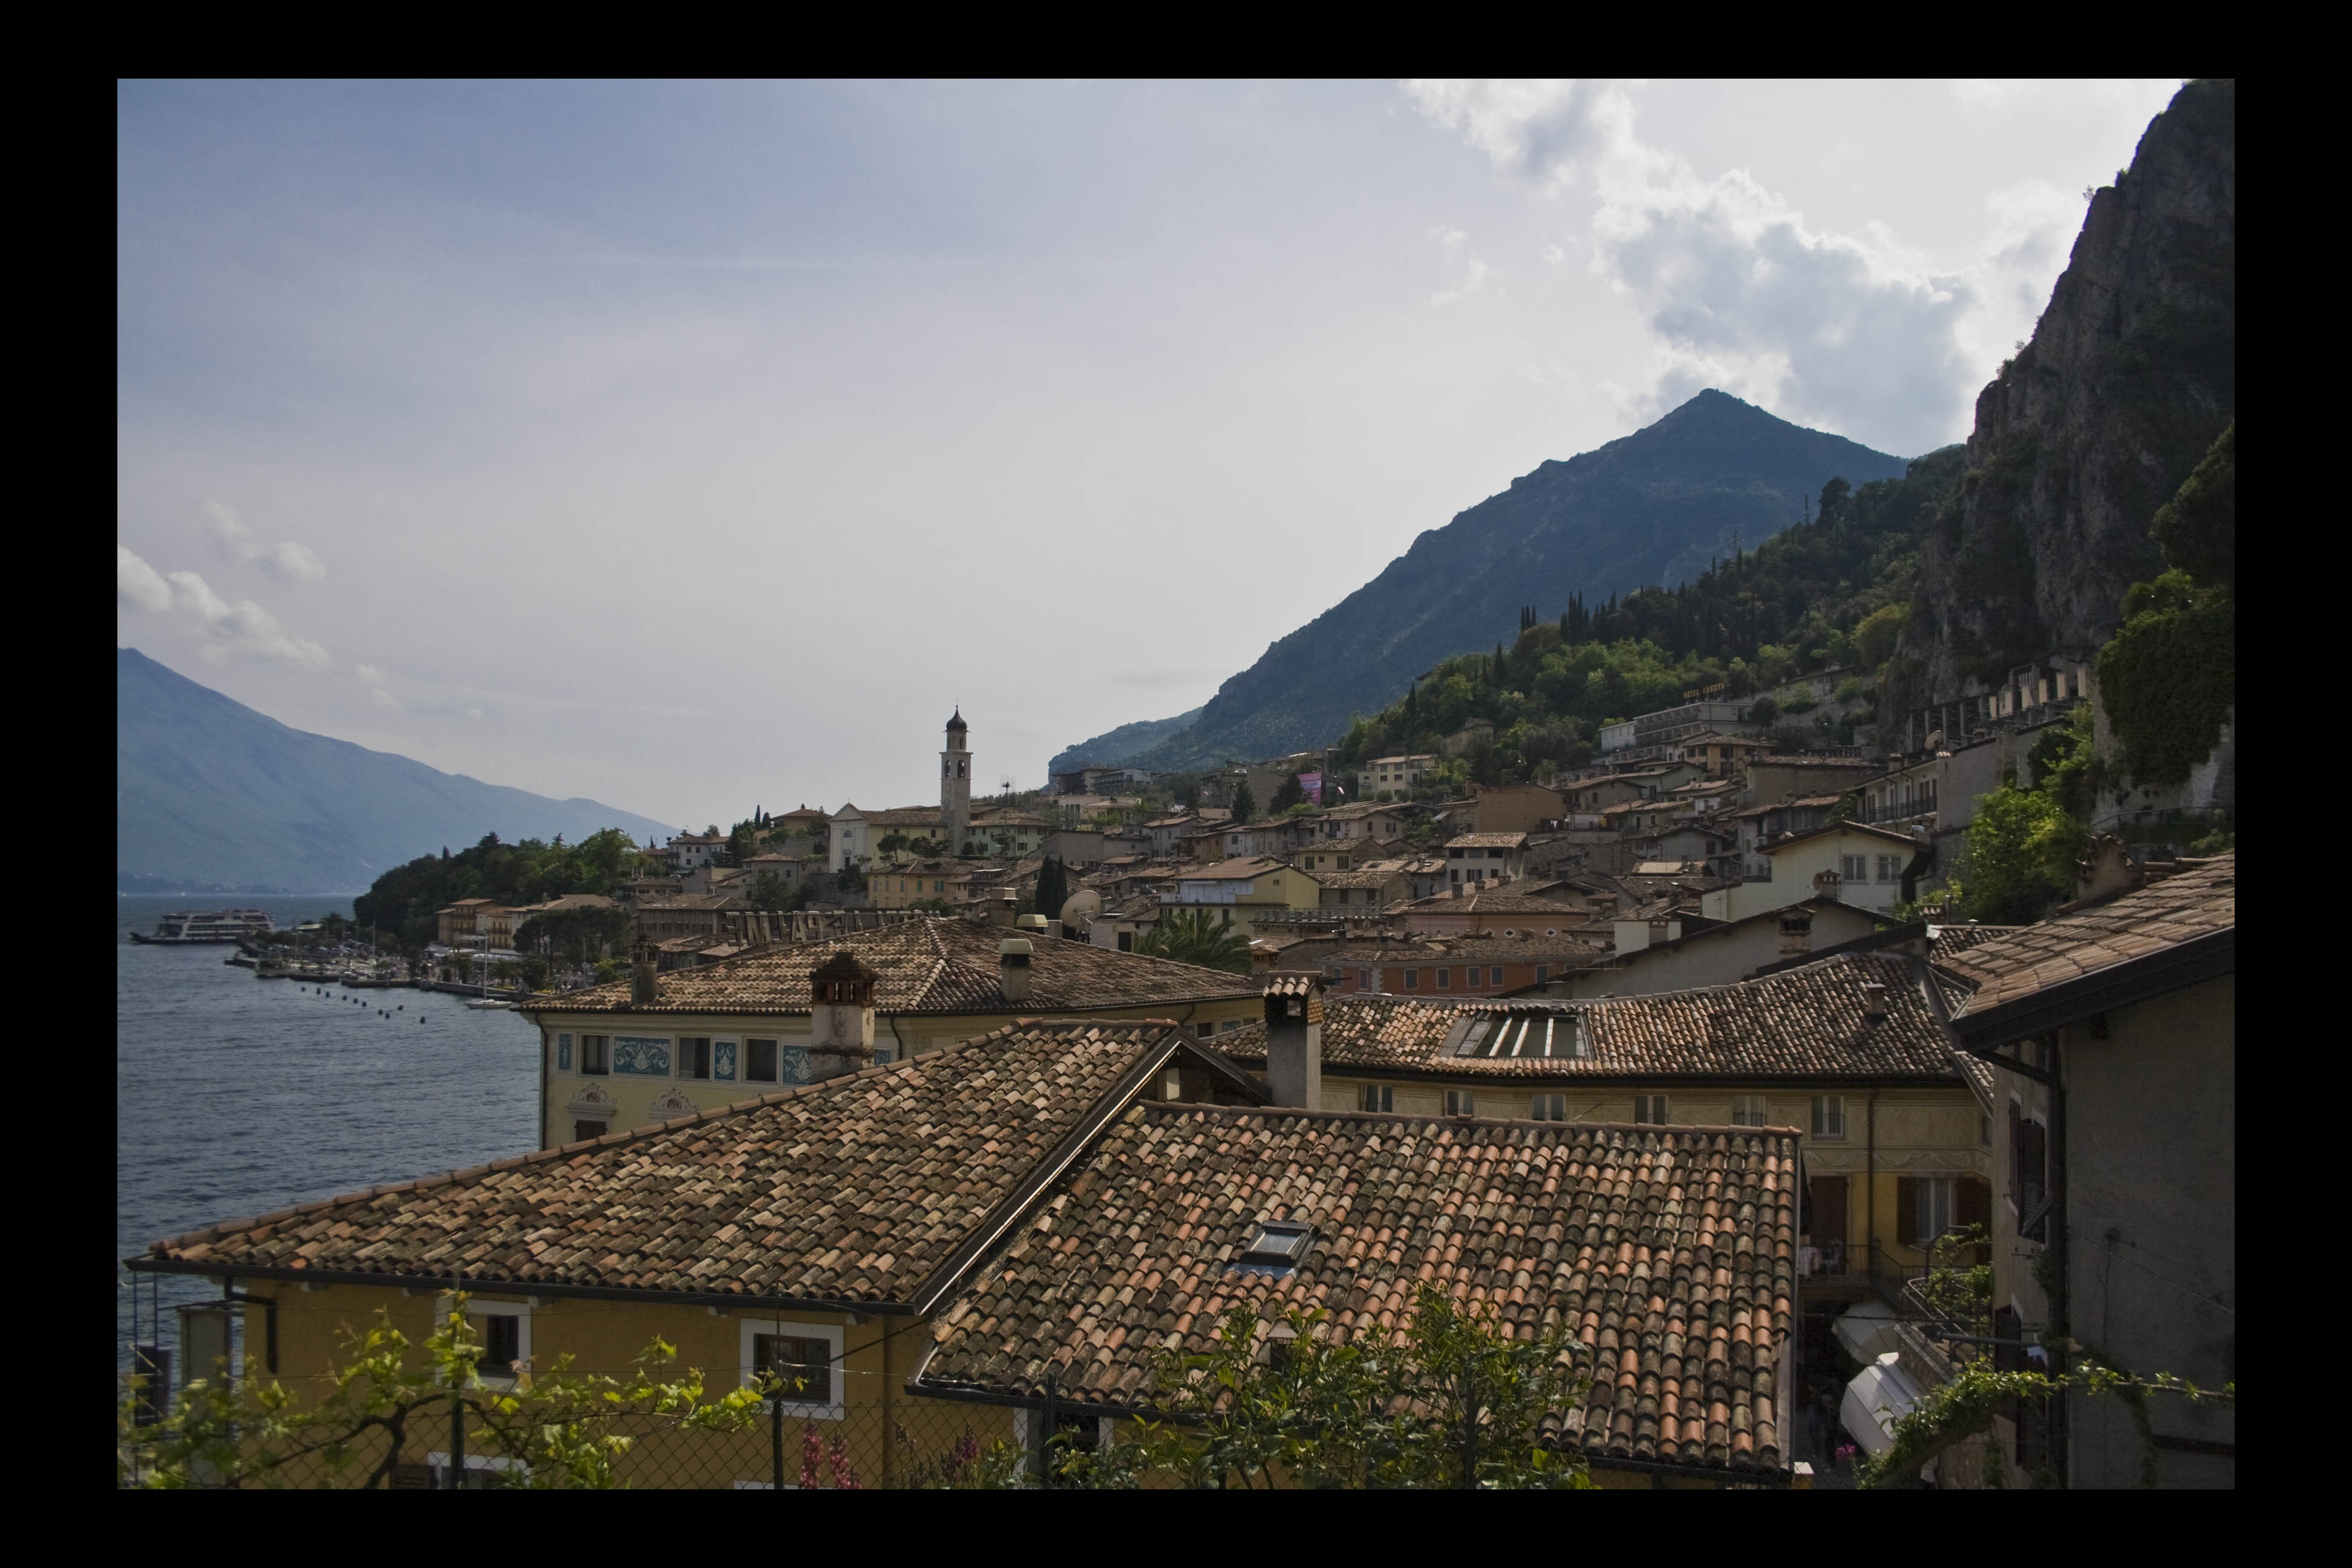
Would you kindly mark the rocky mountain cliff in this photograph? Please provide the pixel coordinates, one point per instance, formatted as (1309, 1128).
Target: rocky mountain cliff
(2131, 374)
(1652, 508)
(211, 796)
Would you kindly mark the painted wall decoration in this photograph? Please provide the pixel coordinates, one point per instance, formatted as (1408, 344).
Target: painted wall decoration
(792, 1064)
(564, 1053)
(640, 1056)
(593, 1102)
(662, 1107)
(722, 1059)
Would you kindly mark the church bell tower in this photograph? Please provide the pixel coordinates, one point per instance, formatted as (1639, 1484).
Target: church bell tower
(955, 785)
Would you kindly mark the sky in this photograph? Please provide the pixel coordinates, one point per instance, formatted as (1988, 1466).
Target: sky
(699, 447)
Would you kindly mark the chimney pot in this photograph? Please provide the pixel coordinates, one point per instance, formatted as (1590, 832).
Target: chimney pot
(1873, 999)
(1294, 1039)
(1013, 968)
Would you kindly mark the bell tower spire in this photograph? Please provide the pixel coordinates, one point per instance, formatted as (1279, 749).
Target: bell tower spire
(955, 783)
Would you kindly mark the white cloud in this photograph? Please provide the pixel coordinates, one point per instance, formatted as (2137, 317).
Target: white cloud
(242, 629)
(383, 699)
(1851, 331)
(1454, 245)
(138, 584)
(233, 541)
(368, 673)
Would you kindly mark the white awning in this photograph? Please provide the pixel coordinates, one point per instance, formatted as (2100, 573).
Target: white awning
(1866, 1330)
(1879, 1394)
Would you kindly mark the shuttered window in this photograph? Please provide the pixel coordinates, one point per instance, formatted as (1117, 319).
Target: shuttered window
(596, 1054)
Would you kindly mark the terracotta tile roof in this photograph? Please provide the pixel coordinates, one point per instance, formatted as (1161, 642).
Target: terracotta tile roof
(1667, 1252)
(1950, 941)
(1234, 869)
(1359, 878)
(857, 1189)
(1803, 1023)
(1510, 900)
(2194, 903)
(1487, 841)
(927, 966)
(1294, 984)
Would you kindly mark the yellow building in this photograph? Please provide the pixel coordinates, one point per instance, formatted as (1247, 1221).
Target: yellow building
(1239, 891)
(924, 1242)
(949, 882)
(616, 1055)
(1848, 1051)
(459, 923)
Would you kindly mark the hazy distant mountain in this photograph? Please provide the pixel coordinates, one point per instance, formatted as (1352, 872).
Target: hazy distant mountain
(210, 796)
(1117, 745)
(1653, 506)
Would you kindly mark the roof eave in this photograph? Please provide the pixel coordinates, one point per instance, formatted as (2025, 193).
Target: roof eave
(147, 1263)
(2176, 968)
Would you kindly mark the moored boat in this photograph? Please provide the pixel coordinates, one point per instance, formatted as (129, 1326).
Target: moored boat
(186, 928)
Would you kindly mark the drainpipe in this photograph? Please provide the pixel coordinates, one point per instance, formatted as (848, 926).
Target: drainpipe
(2062, 1440)
(1869, 1181)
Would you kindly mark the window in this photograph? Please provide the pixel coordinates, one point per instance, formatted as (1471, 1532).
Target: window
(1126, 942)
(1931, 1214)
(1543, 971)
(805, 1356)
(1460, 1102)
(1363, 979)
(1853, 868)
(584, 1130)
(1204, 1029)
(759, 1061)
(1829, 1116)
(1549, 1107)
(694, 1056)
(1376, 1096)
(504, 1330)
(1412, 979)
(564, 1053)
(1280, 1242)
(595, 1054)
(1650, 1109)
(1474, 978)
(1446, 980)
(1890, 869)
(1750, 1110)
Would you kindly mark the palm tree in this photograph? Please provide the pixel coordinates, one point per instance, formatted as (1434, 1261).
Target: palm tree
(1189, 936)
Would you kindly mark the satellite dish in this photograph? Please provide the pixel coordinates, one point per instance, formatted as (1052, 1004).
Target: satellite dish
(1079, 905)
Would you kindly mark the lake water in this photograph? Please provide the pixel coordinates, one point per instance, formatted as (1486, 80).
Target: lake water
(234, 1096)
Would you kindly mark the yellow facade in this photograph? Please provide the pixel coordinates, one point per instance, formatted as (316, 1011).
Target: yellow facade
(569, 1095)
(882, 1431)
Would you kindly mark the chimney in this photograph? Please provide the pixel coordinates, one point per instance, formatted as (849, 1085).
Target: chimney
(841, 1016)
(1294, 1039)
(1874, 1002)
(645, 979)
(1012, 963)
(1001, 912)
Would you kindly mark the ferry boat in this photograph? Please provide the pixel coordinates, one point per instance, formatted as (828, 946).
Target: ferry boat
(185, 929)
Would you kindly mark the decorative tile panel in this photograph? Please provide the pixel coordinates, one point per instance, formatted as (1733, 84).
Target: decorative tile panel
(641, 1056)
(722, 1059)
(564, 1053)
(792, 1064)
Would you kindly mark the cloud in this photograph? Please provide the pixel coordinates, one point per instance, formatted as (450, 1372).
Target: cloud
(1454, 245)
(233, 541)
(138, 585)
(1851, 331)
(368, 673)
(244, 629)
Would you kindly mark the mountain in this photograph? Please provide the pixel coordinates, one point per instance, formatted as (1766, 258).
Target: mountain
(211, 796)
(2131, 375)
(1654, 506)
(1116, 746)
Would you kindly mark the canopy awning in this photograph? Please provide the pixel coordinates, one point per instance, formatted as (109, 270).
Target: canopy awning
(1879, 1394)
(1866, 1330)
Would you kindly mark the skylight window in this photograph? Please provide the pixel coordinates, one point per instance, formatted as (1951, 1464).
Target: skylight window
(1278, 1242)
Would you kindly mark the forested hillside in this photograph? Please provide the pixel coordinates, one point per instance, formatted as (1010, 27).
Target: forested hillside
(1834, 590)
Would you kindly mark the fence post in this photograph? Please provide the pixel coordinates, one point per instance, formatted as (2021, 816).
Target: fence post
(456, 1436)
(776, 1434)
(1041, 1441)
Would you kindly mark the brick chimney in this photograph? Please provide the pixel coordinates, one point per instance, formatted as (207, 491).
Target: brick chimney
(1294, 1039)
(644, 978)
(1013, 965)
(841, 1016)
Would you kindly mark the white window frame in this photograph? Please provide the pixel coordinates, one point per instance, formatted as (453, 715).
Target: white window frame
(1928, 1190)
(833, 1408)
(1829, 1107)
(477, 1307)
(1751, 1111)
(1382, 1093)
(1541, 1107)
(1644, 1105)
(1460, 1102)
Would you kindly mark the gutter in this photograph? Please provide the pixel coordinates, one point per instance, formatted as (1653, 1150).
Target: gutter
(446, 1282)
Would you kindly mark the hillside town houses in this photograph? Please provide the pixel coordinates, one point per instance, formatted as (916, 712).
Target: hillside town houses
(1001, 1142)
